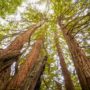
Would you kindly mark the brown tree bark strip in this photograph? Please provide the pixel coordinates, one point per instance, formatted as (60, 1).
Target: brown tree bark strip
(40, 73)
(33, 79)
(14, 48)
(82, 64)
(67, 78)
(4, 78)
(12, 52)
(28, 65)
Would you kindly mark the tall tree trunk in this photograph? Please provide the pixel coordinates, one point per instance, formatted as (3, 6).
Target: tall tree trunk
(82, 64)
(40, 73)
(13, 50)
(33, 79)
(12, 53)
(36, 80)
(67, 78)
(32, 58)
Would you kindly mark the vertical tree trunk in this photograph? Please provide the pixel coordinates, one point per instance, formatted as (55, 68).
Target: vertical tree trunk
(41, 70)
(32, 58)
(67, 78)
(82, 64)
(35, 81)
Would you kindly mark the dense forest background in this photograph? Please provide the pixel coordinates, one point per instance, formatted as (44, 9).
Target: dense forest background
(44, 44)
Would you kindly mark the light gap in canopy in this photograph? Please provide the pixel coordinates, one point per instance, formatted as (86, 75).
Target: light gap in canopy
(21, 9)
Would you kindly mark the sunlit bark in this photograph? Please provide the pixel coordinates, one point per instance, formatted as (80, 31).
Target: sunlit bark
(12, 53)
(13, 50)
(32, 58)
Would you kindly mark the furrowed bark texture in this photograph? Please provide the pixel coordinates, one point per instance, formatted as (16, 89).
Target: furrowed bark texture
(38, 71)
(82, 64)
(32, 58)
(67, 78)
(33, 79)
(4, 78)
(12, 53)
(13, 50)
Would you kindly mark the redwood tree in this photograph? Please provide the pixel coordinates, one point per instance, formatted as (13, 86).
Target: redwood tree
(32, 58)
(67, 78)
(12, 53)
(82, 64)
(74, 22)
(13, 50)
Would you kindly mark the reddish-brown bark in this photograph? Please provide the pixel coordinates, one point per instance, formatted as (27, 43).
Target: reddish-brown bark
(4, 78)
(28, 65)
(67, 78)
(35, 81)
(80, 60)
(12, 53)
(14, 48)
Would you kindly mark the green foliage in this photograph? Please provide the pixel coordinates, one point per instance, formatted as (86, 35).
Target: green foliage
(71, 15)
(3, 32)
(33, 15)
(8, 6)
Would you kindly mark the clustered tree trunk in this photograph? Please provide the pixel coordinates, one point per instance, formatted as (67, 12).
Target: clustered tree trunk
(28, 77)
(67, 78)
(12, 53)
(82, 64)
(13, 50)
(32, 58)
(38, 71)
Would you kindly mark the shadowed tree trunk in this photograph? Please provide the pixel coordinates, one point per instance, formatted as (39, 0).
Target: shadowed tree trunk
(38, 84)
(32, 58)
(40, 72)
(67, 78)
(82, 64)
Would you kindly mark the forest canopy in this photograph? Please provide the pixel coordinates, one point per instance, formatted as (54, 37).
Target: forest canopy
(44, 44)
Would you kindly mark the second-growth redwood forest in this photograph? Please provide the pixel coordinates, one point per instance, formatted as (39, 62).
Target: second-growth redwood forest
(44, 44)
